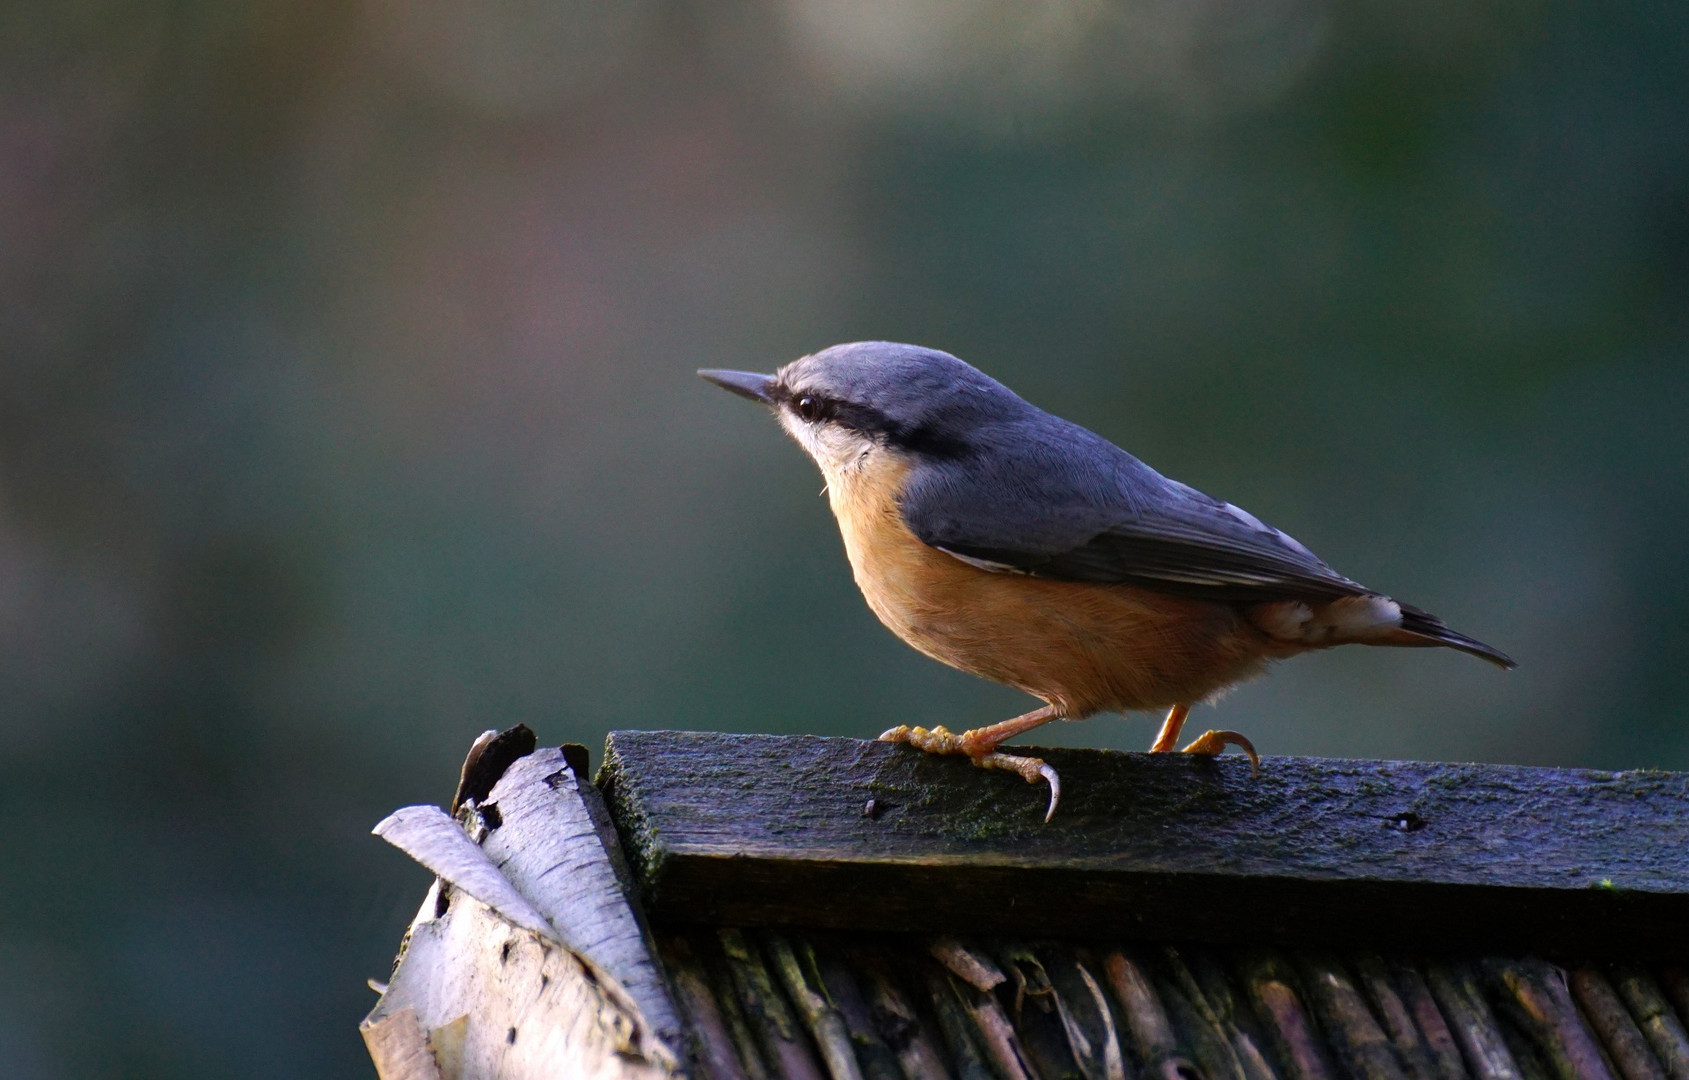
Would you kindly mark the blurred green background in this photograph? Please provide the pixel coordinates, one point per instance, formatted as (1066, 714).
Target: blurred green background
(347, 408)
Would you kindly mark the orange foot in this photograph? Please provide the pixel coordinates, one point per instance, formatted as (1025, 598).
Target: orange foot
(1214, 743)
(980, 747)
(1210, 743)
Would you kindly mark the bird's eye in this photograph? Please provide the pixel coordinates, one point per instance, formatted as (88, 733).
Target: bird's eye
(810, 408)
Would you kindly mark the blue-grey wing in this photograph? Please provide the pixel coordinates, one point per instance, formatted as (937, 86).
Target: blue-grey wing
(1054, 500)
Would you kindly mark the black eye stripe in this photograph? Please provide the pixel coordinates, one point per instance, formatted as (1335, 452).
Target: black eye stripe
(813, 408)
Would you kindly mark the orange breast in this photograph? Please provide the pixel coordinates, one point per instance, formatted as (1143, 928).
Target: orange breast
(1083, 648)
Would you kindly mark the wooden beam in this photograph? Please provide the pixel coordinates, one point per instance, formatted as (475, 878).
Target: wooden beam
(797, 830)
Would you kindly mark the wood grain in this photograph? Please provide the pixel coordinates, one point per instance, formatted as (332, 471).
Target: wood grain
(798, 830)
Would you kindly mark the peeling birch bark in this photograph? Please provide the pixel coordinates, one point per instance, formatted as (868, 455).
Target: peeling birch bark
(526, 959)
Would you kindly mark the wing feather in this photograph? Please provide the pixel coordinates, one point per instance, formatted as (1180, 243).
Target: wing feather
(1054, 500)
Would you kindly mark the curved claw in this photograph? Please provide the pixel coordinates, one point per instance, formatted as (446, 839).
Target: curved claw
(1212, 743)
(938, 740)
(1054, 779)
(1030, 769)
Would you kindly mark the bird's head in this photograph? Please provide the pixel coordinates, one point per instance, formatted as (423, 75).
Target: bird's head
(850, 402)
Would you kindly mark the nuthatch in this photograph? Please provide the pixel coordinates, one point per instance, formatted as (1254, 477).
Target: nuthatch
(1015, 545)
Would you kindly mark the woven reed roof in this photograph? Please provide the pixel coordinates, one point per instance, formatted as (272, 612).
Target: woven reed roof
(786, 1003)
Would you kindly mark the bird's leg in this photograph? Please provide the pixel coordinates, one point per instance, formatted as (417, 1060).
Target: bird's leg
(1168, 736)
(1209, 743)
(980, 746)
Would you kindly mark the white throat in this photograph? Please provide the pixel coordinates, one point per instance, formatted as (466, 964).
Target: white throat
(840, 452)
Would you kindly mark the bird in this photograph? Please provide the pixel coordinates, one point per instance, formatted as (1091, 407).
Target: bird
(1009, 543)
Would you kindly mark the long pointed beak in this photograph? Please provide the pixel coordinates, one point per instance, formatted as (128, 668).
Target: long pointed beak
(744, 383)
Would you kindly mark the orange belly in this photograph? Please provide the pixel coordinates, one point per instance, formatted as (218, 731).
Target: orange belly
(1082, 648)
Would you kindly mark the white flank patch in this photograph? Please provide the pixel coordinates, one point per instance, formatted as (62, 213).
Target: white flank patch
(1352, 618)
(1286, 621)
(1360, 616)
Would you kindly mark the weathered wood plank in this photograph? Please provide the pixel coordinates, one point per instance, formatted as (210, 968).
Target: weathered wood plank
(849, 834)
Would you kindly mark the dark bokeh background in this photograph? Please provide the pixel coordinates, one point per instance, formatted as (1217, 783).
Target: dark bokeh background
(347, 407)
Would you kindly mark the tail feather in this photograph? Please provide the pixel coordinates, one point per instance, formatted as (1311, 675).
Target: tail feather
(1424, 628)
